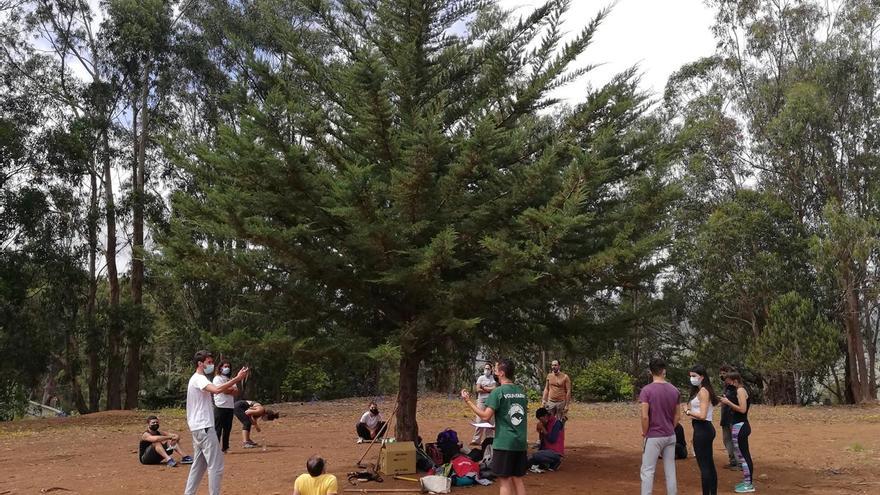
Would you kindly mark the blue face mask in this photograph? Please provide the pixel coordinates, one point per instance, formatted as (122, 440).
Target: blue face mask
(209, 368)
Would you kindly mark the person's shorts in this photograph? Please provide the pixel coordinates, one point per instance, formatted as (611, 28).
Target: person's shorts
(152, 457)
(240, 408)
(506, 463)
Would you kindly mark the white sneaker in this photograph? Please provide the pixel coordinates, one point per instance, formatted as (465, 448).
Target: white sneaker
(535, 469)
(360, 440)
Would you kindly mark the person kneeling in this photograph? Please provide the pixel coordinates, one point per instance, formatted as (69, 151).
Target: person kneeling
(551, 431)
(371, 426)
(157, 447)
(316, 481)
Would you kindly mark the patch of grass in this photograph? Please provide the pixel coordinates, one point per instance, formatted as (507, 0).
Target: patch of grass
(856, 447)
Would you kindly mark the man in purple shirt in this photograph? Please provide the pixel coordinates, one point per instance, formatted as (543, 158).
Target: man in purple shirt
(660, 413)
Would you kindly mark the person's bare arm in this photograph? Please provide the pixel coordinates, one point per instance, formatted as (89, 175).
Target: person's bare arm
(223, 389)
(484, 414)
(677, 415)
(646, 418)
(567, 390)
(162, 437)
(743, 398)
(295, 490)
(546, 391)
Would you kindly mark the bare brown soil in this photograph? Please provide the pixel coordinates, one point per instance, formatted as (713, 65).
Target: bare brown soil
(817, 450)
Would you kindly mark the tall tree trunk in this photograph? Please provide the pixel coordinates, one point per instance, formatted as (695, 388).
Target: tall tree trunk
(854, 343)
(407, 427)
(72, 367)
(133, 374)
(114, 334)
(93, 335)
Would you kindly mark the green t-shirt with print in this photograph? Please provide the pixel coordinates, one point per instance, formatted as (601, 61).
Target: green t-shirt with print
(511, 405)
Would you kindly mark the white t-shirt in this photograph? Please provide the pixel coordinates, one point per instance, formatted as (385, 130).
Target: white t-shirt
(199, 406)
(487, 382)
(371, 420)
(223, 401)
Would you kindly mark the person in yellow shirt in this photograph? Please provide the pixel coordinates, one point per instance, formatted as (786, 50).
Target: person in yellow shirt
(316, 481)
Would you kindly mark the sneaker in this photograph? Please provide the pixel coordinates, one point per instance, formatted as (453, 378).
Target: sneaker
(744, 488)
(248, 445)
(186, 460)
(535, 469)
(360, 440)
(171, 462)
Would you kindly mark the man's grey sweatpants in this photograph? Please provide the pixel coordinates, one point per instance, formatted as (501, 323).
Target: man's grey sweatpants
(653, 448)
(728, 444)
(206, 455)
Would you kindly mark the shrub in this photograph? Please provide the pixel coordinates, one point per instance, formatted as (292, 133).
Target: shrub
(602, 381)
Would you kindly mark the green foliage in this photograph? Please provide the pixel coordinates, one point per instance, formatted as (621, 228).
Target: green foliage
(602, 381)
(797, 340)
(304, 382)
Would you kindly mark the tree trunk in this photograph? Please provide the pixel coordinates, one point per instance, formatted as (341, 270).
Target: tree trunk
(93, 336)
(781, 389)
(854, 343)
(114, 359)
(133, 375)
(72, 362)
(407, 427)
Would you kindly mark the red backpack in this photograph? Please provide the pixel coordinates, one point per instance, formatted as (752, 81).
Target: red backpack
(434, 453)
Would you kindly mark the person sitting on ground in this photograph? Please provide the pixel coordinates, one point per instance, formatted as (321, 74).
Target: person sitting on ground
(316, 481)
(157, 447)
(551, 432)
(371, 426)
(248, 412)
(681, 446)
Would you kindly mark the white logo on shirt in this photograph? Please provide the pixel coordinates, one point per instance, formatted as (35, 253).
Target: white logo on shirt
(516, 414)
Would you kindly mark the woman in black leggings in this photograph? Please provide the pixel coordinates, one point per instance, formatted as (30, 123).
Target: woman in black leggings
(740, 430)
(702, 403)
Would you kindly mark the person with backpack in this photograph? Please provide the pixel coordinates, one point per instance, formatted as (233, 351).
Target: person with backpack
(508, 404)
(702, 404)
(658, 402)
(740, 429)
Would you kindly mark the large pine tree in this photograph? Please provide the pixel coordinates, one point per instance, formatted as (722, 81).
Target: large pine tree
(409, 171)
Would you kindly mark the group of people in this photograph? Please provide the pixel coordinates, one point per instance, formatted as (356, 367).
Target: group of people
(210, 406)
(661, 414)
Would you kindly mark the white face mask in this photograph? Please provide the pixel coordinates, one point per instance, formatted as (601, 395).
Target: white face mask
(209, 368)
(225, 370)
(488, 373)
(696, 381)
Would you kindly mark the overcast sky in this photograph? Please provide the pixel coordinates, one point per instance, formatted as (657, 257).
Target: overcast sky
(658, 35)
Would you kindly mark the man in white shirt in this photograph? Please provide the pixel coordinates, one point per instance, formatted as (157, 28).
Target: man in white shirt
(485, 384)
(200, 418)
(371, 426)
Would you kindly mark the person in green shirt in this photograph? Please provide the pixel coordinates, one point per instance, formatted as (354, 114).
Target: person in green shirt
(508, 404)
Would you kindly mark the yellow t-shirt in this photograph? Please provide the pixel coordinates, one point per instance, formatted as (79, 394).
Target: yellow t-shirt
(307, 484)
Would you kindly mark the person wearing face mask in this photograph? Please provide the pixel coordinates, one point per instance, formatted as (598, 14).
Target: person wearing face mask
(200, 419)
(485, 384)
(557, 392)
(371, 426)
(701, 406)
(224, 405)
(157, 446)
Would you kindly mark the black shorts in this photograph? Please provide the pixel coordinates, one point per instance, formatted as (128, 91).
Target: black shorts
(150, 456)
(239, 410)
(506, 463)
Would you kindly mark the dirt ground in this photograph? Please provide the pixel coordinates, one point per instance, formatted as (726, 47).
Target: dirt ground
(818, 450)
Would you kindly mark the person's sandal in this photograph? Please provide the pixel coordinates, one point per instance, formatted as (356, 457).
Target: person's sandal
(171, 462)
(186, 460)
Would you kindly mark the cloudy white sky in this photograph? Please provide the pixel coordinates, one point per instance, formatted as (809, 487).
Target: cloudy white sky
(657, 35)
